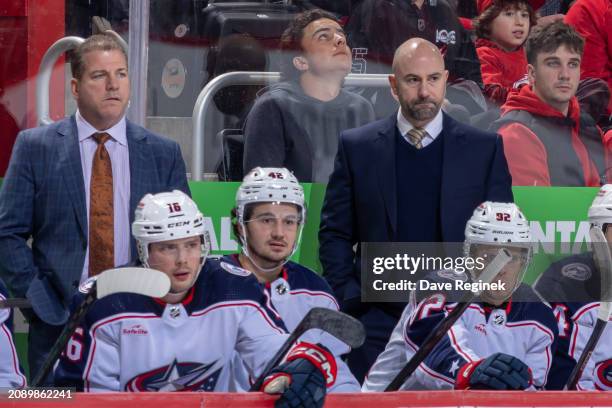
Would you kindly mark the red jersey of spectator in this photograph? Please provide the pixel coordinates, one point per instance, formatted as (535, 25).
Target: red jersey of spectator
(500, 69)
(542, 146)
(593, 21)
(9, 130)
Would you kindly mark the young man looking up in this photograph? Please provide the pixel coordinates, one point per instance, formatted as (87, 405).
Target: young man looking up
(297, 122)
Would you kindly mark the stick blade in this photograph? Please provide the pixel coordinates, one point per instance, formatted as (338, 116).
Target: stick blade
(603, 261)
(495, 266)
(143, 281)
(340, 325)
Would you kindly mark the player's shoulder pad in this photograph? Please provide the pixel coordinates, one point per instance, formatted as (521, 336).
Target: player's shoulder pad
(227, 282)
(569, 278)
(527, 305)
(233, 269)
(86, 286)
(301, 277)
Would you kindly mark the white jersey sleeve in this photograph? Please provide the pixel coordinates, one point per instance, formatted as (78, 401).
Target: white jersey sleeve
(597, 374)
(290, 297)
(391, 361)
(10, 371)
(525, 330)
(103, 368)
(257, 343)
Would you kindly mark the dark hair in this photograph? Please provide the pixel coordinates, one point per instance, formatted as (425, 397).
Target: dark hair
(483, 22)
(97, 42)
(551, 37)
(291, 40)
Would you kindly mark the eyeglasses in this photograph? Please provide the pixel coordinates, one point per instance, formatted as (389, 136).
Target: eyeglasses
(289, 222)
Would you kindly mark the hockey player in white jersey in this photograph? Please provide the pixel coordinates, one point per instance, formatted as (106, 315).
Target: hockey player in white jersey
(503, 341)
(573, 286)
(185, 341)
(268, 219)
(11, 375)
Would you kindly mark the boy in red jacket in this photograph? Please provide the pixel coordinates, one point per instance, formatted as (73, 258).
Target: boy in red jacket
(502, 27)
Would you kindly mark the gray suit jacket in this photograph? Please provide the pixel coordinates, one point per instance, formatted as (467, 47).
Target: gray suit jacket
(43, 197)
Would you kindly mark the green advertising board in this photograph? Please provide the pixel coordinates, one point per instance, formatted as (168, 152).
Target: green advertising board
(557, 216)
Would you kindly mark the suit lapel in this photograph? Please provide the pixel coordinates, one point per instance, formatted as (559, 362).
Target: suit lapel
(72, 171)
(453, 165)
(385, 145)
(140, 163)
(454, 158)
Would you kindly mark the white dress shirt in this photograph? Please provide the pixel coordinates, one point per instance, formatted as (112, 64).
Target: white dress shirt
(433, 128)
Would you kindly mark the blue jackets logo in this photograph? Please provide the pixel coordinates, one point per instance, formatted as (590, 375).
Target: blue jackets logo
(177, 376)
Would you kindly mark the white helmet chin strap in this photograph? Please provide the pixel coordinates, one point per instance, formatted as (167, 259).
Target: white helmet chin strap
(245, 250)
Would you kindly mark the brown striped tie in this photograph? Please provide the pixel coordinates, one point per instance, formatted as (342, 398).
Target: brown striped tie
(101, 225)
(416, 136)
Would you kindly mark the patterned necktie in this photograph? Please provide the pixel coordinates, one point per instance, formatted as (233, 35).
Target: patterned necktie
(101, 225)
(416, 136)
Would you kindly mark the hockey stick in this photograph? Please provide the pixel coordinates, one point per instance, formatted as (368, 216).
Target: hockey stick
(342, 326)
(143, 281)
(490, 272)
(603, 261)
(10, 303)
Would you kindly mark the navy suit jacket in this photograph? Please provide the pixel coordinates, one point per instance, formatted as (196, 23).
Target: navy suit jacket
(361, 200)
(43, 197)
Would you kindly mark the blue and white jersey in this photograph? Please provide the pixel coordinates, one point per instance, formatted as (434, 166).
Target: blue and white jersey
(394, 357)
(526, 330)
(577, 278)
(11, 375)
(131, 342)
(290, 297)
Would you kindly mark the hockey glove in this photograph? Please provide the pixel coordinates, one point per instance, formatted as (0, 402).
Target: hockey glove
(303, 378)
(499, 371)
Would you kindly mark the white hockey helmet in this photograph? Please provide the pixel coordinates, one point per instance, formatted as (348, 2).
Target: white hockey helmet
(167, 216)
(269, 184)
(499, 224)
(600, 212)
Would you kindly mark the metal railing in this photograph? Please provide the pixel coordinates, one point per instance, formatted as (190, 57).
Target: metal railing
(249, 78)
(43, 79)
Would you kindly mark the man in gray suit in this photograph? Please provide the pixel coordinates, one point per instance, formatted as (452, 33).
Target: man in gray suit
(52, 194)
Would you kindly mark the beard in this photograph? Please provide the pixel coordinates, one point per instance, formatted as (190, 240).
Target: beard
(420, 112)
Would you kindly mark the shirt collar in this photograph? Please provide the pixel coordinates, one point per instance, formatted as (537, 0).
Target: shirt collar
(117, 132)
(433, 128)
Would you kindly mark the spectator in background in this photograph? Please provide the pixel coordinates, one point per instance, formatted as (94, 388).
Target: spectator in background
(415, 176)
(73, 186)
(9, 127)
(297, 122)
(502, 27)
(592, 19)
(378, 27)
(542, 125)
(593, 96)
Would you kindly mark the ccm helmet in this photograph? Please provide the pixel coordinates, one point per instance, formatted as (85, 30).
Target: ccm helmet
(167, 216)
